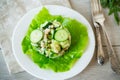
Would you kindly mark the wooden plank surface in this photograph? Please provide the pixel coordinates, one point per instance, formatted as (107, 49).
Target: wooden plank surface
(93, 71)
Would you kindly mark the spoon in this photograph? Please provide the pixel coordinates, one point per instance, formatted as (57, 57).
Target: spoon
(113, 58)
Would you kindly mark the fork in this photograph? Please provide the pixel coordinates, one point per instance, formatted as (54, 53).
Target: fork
(100, 52)
(99, 18)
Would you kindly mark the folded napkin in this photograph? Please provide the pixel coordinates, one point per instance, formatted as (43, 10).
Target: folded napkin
(10, 13)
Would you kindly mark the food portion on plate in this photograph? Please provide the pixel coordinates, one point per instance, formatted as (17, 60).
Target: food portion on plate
(55, 42)
(51, 39)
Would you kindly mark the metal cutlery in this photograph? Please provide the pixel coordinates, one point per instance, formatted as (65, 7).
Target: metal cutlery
(98, 17)
(100, 52)
(115, 63)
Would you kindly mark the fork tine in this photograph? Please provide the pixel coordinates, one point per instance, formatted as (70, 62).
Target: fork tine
(96, 6)
(100, 7)
(93, 7)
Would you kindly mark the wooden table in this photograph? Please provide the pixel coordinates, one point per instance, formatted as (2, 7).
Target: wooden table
(93, 71)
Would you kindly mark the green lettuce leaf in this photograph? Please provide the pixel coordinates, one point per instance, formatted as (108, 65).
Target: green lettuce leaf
(79, 42)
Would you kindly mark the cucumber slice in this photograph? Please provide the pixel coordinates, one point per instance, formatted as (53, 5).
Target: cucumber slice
(36, 36)
(61, 35)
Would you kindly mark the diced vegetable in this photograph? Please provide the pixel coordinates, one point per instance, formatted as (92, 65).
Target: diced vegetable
(47, 31)
(61, 35)
(55, 46)
(47, 52)
(65, 44)
(46, 25)
(51, 26)
(36, 36)
(52, 32)
(42, 50)
(56, 23)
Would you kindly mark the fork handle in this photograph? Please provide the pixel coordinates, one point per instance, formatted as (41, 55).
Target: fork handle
(100, 52)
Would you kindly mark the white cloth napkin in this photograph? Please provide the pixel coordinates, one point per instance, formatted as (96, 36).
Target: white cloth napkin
(10, 13)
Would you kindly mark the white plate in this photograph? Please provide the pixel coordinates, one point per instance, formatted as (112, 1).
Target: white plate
(28, 65)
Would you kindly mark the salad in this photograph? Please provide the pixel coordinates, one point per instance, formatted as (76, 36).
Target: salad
(54, 42)
(51, 39)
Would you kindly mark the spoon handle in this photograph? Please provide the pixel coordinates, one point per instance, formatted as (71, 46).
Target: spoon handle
(115, 64)
(114, 61)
